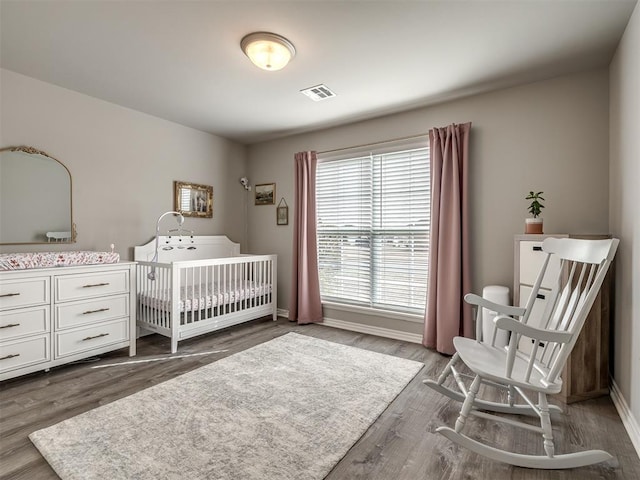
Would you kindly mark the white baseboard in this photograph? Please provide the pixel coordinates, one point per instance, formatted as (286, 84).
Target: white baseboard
(628, 420)
(371, 330)
(362, 328)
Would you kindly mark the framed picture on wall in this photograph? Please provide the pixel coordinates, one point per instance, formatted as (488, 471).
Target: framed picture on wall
(265, 194)
(193, 200)
(282, 213)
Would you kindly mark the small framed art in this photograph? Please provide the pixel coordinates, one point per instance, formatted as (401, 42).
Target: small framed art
(265, 194)
(282, 213)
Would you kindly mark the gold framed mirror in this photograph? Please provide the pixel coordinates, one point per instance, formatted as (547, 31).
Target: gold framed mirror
(193, 200)
(35, 198)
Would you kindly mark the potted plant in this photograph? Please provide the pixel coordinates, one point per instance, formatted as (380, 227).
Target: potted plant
(534, 224)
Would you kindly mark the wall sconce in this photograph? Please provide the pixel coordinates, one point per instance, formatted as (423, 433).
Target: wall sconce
(268, 51)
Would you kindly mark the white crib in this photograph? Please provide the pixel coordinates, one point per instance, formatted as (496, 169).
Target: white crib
(201, 284)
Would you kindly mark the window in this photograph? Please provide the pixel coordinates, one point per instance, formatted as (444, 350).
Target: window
(373, 221)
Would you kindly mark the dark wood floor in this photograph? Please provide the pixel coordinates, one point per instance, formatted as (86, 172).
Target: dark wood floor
(401, 444)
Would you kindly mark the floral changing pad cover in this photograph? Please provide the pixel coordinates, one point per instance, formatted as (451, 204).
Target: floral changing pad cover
(21, 261)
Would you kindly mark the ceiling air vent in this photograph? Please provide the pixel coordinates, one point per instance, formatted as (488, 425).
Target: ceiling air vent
(317, 93)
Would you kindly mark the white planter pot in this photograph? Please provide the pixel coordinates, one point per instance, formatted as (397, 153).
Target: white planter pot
(533, 225)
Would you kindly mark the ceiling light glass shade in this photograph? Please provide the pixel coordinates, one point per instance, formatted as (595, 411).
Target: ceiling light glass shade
(268, 50)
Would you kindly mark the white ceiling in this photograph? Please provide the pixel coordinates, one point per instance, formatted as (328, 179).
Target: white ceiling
(181, 60)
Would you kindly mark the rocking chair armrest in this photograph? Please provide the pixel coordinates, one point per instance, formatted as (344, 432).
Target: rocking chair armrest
(507, 323)
(473, 299)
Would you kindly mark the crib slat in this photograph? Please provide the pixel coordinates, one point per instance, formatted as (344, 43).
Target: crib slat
(225, 275)
(202, 295)
(207, 288)
(264, 268)
(257, 281)
(264, 278)
(245, 280)
(218, 289)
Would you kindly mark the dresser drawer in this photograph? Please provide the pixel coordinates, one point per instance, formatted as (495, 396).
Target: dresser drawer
(24, 321)
(531, 259)
(85, 339)
(16, 354)
(75, 314)
(24, 293)
(88, 285)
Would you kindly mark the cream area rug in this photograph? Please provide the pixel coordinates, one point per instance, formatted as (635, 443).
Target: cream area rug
(289, 408)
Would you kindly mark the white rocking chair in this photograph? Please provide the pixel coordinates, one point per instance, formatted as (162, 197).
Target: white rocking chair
(584, 264)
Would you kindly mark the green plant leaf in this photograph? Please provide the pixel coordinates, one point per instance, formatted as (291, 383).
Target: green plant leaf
(535, 207)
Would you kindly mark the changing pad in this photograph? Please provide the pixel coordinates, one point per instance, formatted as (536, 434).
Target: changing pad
(21, 261)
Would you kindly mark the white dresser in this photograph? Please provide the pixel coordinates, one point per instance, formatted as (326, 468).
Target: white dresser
(53, 316)
(586, 374)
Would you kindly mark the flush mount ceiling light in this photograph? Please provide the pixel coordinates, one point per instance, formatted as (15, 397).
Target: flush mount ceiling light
(268, 51)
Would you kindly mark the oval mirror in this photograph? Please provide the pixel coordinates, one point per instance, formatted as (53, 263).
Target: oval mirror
(35, 198)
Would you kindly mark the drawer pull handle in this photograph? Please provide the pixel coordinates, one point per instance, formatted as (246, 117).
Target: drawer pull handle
(95, 285)
(95, 311)
(9, 325)
(95, 336)
(537, 249)
(11, 355)
(9, 294)
(540, 296)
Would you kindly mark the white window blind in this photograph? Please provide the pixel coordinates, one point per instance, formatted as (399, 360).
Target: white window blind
(373, 227)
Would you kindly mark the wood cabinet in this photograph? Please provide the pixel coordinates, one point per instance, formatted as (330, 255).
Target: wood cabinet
(53, 316)
(586, 374)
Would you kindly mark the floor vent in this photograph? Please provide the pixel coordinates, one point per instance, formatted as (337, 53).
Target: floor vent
(317, 93)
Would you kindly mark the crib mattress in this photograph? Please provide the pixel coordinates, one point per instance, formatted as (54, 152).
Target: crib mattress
(199, 297)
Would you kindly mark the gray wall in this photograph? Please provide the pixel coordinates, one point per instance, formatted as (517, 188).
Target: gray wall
(122, 163)
(548, 136)
(624, 219)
